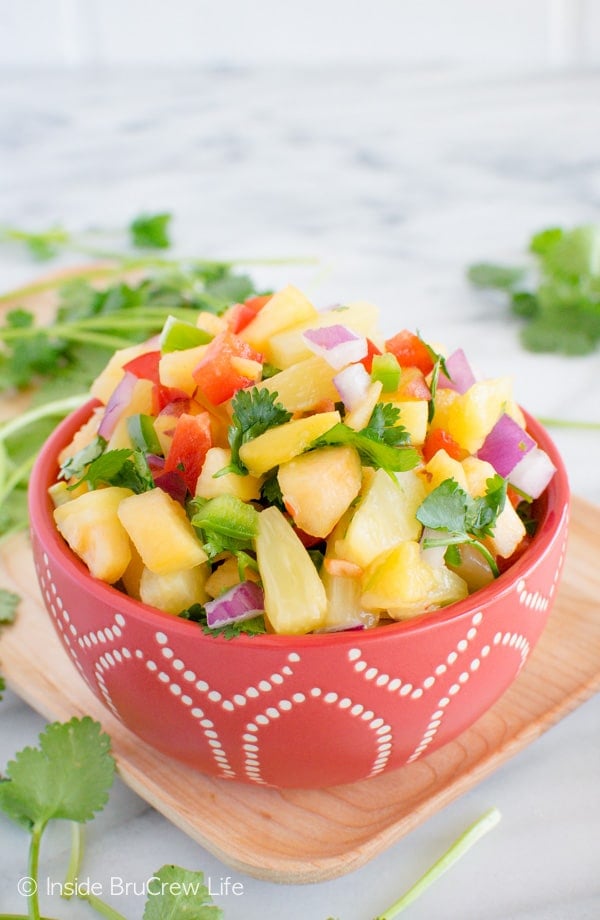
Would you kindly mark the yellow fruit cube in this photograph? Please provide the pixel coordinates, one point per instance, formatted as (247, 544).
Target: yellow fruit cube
(280, 444)
(174, 591)
(295, 600)
(289, 347)
(301, 387)
(509, 529)
(473, 414)
(91, 526)
(384, 517)
(175, 368)
(447, 588)
(113, 373)
(161, 532)
(84, 436)
(359, 417)
(441, 467)
(285, 308)
(142, 401)
(337, 470)
(209, 486)
(397, 578)
(413, 417)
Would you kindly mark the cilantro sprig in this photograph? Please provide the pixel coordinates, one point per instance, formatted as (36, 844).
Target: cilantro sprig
(121, 467)
(557, 296)
(254, 412)
(381, 444)
(459, 518)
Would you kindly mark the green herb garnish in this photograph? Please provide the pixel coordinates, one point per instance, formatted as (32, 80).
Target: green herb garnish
(381, 444)
(254, 412)
(558, 298)
(459, 518)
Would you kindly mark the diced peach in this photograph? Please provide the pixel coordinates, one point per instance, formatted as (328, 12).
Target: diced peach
(91, 526)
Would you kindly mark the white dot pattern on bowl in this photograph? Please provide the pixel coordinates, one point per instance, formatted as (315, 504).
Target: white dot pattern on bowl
(269, 699)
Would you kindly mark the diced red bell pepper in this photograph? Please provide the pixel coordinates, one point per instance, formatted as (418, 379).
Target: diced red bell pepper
(367, 361)
(217, 379)
(239, 315)
(163, 396)
(191, 440)
(410, 351)
(144, 366)
(439, 439)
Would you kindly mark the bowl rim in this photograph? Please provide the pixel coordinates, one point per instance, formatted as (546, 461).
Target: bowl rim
(42, 525)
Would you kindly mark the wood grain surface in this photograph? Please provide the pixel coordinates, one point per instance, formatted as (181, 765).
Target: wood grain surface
(309, 836)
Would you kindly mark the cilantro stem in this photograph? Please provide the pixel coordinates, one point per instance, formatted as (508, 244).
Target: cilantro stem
(49, 284)
(57, 407)
(473, 833)
(569, 423)
(105, 910)
(17, 476)
(74, 860)
(33, 905)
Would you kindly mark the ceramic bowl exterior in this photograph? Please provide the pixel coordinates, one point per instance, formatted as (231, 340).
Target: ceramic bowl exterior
(306, 711)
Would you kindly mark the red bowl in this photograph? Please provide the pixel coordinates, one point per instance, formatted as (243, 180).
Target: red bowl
(297, 711)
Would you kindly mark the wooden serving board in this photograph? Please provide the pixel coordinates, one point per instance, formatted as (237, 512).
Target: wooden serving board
(309, 836)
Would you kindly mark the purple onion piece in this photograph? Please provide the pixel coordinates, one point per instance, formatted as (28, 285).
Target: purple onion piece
(118, 401)
(506, 445)
(172, 483)
(337, 344)
(242, 602)
(533, 473)
(461, 374)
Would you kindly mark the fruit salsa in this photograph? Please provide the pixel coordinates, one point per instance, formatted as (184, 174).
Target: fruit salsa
(289, 470)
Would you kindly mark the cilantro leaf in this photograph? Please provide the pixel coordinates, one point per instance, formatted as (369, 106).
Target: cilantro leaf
(68, 776)
(8, 605)
(151, 231)
(460, 518)
(559, 299)
(122, 467)
(179, 894)
(252, 627)
(75, 465)
(254, 412)
(380, 444)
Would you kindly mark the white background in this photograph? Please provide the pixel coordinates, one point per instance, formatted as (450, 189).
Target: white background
(516, 35)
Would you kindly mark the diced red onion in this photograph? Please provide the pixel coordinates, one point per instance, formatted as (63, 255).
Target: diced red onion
(173, 484)
(242, 602)
(533, 473)
(352, 383)
(155, 462)
(337, 344)
(506, 445)
(461, 373)
(118, 401)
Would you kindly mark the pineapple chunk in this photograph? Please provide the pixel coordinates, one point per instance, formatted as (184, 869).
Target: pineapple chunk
(413, 416)
(473, 414)
(282, 443)
(344, 608)
(133, 574)
(473, 568)
(447, 588)
(360, 415)
(91, 526)
(301, 387)
(397, 578)
(113, 373)
(142, 401)
(441, 467)
(226, 575)
(444, 400)
(162, 534)
(175, 368)
(60, 492)
(208, 486)
(509, 529)
(289, 347)
(84, 436)
(285, 308)
(385, 516)
(336, 470)
(174, 591)
(295, 600)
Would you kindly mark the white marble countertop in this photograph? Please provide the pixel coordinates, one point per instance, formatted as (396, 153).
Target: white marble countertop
(395, 181)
